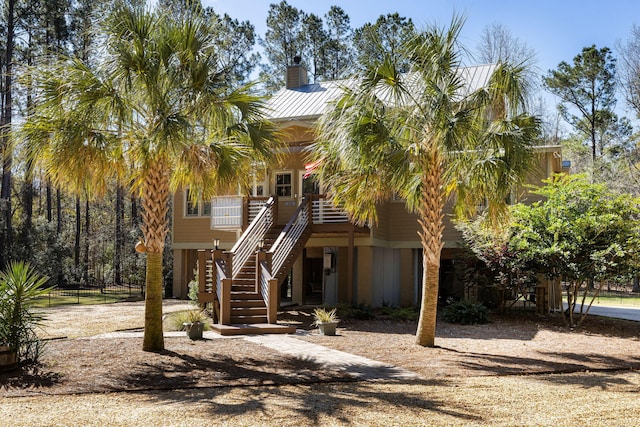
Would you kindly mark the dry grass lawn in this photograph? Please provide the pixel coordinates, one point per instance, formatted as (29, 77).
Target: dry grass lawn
(515, 371)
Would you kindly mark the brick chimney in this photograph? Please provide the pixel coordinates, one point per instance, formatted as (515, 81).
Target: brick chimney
(296, 74)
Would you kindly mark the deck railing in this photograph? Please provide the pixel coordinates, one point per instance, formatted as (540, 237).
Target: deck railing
(268, 286)
(248, 242)
(325, 212)
(254, 206)
(288, 238)
(262, 212)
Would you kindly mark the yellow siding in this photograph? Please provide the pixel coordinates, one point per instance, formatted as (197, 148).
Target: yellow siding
(195, 230)
(403, 226)
(407, 278)
(365, 274)
(343, 280)
(381, 230)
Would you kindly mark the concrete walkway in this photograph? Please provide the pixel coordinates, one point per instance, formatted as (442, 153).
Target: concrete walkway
(356, 366)
(627, 313)
(359, 367)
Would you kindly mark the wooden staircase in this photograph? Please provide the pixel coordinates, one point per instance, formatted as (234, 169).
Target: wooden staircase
(247, 304)
(248, 308)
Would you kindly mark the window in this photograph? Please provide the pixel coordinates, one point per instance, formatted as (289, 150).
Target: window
(283, 184)
(196, 207)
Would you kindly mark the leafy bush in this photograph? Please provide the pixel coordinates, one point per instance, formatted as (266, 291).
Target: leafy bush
(20, 287)
(193, 291)
(466, 313)
(361, 311)
(405, 314)
(400, 314)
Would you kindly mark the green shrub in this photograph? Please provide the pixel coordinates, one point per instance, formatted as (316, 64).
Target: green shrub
(361, 311)
(400, 314)
(407, 314)
(193, 291)
(466, 313)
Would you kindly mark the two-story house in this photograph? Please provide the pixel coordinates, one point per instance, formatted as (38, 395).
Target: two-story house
(329, 260)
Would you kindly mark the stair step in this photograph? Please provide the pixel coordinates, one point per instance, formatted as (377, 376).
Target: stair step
(244, 282)
(247, 303)
(245, 295)
(248, 311)
(249, 319)
(245, 289)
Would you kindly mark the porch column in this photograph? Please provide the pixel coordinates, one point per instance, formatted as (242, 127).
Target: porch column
(350, 268)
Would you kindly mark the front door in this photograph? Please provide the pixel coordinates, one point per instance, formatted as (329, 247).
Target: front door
(308, 184)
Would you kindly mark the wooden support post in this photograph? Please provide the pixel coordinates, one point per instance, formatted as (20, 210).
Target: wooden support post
(274, 210)
(225, 304)
(310, 208)
(202, 275)
(216, 255)
(228, 260)
(351, 293)
(272, 308)
(202, 269)
(245, 213)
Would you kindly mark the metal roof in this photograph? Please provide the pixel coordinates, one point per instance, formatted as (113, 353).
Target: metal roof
(304, 103)
(308, 102)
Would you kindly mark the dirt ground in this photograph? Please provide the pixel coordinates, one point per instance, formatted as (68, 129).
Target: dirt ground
(476, 374)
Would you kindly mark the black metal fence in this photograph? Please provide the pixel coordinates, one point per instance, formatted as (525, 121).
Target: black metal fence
(92, 294)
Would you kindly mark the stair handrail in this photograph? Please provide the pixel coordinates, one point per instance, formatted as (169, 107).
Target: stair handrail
(248, 242)
(264, 277)
(220, 275)
(268, 286)
(290, 235)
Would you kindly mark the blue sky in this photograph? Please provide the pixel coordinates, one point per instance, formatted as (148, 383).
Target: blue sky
(556, 30)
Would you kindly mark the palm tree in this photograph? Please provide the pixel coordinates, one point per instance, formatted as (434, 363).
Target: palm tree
(155, 112)
(426, 134)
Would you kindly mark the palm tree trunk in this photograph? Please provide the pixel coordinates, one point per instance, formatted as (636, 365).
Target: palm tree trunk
(117, 256)
(153, 334)
(155, 205)
(431, 220)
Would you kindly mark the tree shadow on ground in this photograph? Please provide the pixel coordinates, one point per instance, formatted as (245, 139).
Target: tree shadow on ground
(309, 389)
(310, 404)
(31, 377)
(610, 380)
(548, 363)
(501, 327)
(181, 370)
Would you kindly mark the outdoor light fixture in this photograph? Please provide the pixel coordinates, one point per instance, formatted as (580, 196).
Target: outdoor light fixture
(216, 243)
(261, 245)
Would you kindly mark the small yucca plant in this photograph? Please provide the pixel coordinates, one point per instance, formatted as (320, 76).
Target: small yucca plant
(20, 287)
(323, 316)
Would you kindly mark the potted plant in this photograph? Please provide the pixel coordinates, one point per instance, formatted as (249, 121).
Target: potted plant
(195, 324)
(326, 320)
(8, 358)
